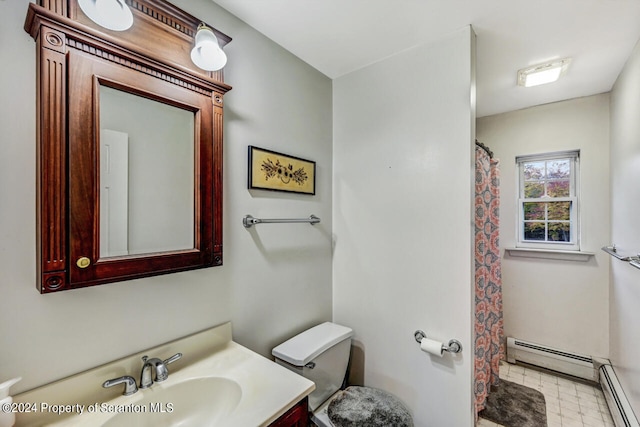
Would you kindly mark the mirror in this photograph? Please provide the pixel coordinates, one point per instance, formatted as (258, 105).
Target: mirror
(146, 175)
(129, 147)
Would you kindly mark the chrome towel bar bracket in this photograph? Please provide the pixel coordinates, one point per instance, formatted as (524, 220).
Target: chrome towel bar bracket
(631, 259)
(454, 346)
(248, 221)
(613, 251)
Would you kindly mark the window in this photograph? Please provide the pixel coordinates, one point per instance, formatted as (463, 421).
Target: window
(548, 201)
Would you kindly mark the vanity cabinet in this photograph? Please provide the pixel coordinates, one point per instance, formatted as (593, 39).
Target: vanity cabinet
(129, 146)
(297, 416)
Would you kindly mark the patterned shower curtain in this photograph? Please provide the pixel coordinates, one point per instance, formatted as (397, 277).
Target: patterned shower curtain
(489, 348)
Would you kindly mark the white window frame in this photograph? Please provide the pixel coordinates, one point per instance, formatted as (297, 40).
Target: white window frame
(574, 198)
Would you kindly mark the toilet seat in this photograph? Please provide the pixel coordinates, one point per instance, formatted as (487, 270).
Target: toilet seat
(367, 406)
(321, 415)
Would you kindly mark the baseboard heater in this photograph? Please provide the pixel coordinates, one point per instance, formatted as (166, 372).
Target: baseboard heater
(577, 365)
(619, 406)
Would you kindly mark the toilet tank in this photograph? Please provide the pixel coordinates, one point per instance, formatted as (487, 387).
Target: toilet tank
(320, 354)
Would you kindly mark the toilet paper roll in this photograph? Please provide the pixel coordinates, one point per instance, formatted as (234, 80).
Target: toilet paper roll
(432, 347)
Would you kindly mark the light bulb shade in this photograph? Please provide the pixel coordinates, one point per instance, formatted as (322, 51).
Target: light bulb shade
(207, 53)
(111, 14)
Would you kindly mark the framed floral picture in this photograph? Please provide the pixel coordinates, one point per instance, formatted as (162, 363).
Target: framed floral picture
(269, 170)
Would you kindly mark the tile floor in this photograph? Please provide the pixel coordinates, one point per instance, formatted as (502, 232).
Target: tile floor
(569, 403)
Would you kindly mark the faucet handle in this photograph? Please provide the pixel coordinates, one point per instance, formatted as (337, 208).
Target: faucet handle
(172, 358)
(145, 358)
(162, 373)
(130, 386)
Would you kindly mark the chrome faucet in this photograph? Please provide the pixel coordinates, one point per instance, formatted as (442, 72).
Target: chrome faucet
(162, 373)
(129, 384)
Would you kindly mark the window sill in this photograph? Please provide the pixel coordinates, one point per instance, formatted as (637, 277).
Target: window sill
(550, 254)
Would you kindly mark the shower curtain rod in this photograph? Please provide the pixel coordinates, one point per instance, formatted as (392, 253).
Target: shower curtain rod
(485, 148)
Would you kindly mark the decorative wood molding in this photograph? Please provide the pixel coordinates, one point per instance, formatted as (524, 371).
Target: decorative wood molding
(164, 18)
(135, 45)
(56, 6)
(157, 47)
(173, 17)
(217, 174)
(143, 68)
(51, 162)
(52, 39)
(53, 282)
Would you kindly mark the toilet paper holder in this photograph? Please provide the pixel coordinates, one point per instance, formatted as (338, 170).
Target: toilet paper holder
(454, 346)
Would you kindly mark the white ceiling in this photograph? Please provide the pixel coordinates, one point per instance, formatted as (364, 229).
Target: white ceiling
(340, 36)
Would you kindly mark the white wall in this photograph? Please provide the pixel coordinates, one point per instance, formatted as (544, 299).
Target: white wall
(274, 282)
(562, 304)
(625, 228)
(403, 131)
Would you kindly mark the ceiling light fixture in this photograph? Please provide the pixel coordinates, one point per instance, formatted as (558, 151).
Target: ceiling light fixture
(111, 14)
(207, 53)
(543, 73)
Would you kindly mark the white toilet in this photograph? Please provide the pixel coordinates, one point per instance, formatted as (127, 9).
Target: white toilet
(320, 354)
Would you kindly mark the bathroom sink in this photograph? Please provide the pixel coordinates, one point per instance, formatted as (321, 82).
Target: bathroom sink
(196, 402)
(217, 382)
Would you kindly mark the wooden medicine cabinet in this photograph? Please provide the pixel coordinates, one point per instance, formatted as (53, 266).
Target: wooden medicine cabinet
(129, 146)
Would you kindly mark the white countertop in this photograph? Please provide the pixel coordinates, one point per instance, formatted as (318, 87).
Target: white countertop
(268, 390)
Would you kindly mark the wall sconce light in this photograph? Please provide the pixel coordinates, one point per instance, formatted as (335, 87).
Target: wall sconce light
(207, 53)
(111, 14)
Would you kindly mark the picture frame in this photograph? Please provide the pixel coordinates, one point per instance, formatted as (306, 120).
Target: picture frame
(273, 171)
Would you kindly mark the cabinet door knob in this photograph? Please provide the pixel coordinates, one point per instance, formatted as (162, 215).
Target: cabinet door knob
(83, 262)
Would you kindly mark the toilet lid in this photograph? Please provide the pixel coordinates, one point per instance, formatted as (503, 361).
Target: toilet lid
(308, 345)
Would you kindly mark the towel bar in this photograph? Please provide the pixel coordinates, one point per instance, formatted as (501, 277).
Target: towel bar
(634, 261)
(613, 251)
(248, 221)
